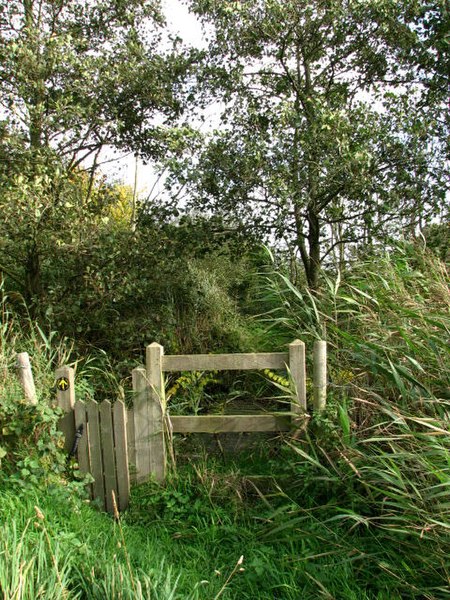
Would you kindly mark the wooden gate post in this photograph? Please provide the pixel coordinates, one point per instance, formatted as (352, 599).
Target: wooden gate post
(65, 398)
(298, 373)
(25, 375)
(141, 425)
(320, 375)
(157, 409)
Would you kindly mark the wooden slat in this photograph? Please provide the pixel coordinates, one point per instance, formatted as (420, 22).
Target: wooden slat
(156, 401)
(131, 445)
(120, 441)
(83, 447)
(297, 367)
(109, 466)
(230, 423)
(225, 362)
(141, 424)
(95, 451)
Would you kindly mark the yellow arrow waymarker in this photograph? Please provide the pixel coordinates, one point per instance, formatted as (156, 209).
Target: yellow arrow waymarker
(63, 384)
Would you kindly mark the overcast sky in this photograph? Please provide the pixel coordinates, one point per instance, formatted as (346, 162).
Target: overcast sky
(180, 21)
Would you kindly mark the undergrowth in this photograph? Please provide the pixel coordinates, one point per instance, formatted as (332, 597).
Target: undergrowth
(374, 470)
(356, 508)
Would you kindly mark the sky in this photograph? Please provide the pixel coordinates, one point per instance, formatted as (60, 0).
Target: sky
(181, 22)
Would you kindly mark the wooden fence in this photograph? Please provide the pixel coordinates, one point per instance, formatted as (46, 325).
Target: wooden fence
(102, 441)
(113, 441)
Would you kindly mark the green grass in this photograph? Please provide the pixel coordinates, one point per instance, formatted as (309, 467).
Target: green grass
(359, 508)
(375, 468)
(76, 552)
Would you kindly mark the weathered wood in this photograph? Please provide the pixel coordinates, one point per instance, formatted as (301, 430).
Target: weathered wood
(156, 401)
(131, 445)
(95, 451)
(320, 375)
(109, 466)
(230, 423)
(141, 424)
(25, 375)
(225, 362)
(297, 368)
(83, 445)
(121, 452)
(65, 399)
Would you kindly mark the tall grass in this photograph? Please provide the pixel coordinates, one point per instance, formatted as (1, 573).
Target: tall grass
(28, 569)
(375, 469)
(63, 549)
(358, 508)
(387, 322)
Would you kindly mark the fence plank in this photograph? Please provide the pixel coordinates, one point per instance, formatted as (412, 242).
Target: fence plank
(120, 439)
(141, 424)
(65, 399)
(25, 375)
(230, 423)
(320, 375)
(297, 367)
(83, 444)
(109, 466)
(95, 451)
(225, 362)
(131, 445)
(156, 400)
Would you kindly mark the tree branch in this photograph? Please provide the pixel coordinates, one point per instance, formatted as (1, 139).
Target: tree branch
(11, 275)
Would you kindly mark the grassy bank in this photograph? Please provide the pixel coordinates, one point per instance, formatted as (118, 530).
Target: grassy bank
(359, 508)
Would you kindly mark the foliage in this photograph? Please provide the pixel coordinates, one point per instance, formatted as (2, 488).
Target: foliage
(386, 322)
(108, 285)
(29, 441)
(356, 508)
(373, 472)
(61, 548)
(333, 133)
(437, 238)
(187, 393)
(69, 73)
(325, 140)
(202, 495)
(68, 89)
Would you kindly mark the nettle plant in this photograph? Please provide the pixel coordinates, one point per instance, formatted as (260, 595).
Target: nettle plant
(30, 443)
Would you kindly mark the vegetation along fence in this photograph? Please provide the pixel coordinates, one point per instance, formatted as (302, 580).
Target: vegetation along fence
(112, 441)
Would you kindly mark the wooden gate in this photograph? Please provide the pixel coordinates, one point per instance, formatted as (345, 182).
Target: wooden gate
(100, 432)
(114, 439)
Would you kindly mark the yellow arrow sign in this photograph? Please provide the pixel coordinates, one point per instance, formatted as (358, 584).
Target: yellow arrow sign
(63, 384)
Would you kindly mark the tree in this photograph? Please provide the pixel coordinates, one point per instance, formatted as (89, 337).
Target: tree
(75, 76)
(320, 145)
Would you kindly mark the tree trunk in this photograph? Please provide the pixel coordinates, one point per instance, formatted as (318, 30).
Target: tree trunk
(313, 270)
(37, 93)
(33, 283)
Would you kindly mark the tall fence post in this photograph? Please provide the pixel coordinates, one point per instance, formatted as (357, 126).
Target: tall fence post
(141, 419)
(157, 409)
(25, 375)
(320, 375)
(297, 369)
(65, 398)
